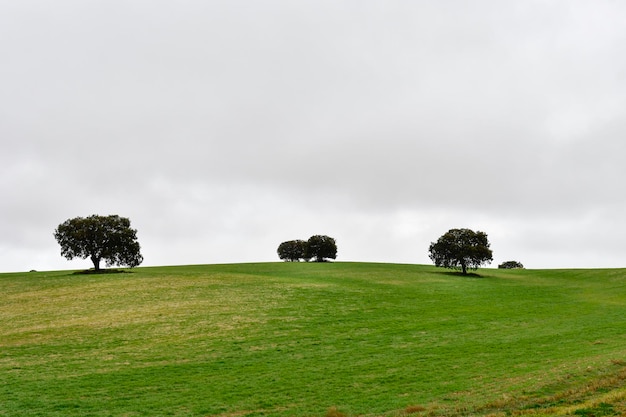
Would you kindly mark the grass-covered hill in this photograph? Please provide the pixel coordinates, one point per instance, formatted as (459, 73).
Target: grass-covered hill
(309, 339)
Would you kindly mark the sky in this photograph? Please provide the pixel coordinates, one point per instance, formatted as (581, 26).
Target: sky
(223, 128)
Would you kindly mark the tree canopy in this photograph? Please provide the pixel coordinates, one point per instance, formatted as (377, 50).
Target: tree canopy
(319, 247)
(461, 249)
(293, 250)
(511, 265)
(322, 247)
(108, 238)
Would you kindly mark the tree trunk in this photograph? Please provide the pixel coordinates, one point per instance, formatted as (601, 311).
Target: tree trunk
(464, 268)
(96, 263)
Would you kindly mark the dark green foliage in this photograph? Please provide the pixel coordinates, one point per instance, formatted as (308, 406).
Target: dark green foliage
(321, 248)
(293, 250)
(511, 265)
(108, 238)
(461, 249)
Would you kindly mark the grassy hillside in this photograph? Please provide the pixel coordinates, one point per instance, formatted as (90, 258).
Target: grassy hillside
(308, 339)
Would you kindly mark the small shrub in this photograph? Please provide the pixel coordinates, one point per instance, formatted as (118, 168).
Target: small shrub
(511, 265)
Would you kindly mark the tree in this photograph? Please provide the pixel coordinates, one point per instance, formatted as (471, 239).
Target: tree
(108, 238)
(511, 265)
(293, 250)
(461, 248)
(321, 247)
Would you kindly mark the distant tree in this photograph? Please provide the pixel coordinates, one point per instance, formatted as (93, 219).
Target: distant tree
(107, 238)
(461, 248)
(321, 247)
(511, 265)
(292, 250)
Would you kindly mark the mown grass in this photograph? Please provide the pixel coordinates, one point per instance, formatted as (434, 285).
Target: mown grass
(307, 339)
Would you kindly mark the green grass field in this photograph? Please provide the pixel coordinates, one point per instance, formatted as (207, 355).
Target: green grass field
(308, 339)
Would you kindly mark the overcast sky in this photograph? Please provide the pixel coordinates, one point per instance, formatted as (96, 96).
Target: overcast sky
(223, 128)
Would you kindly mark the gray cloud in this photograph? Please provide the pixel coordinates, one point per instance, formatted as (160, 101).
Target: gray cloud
(224, 128)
